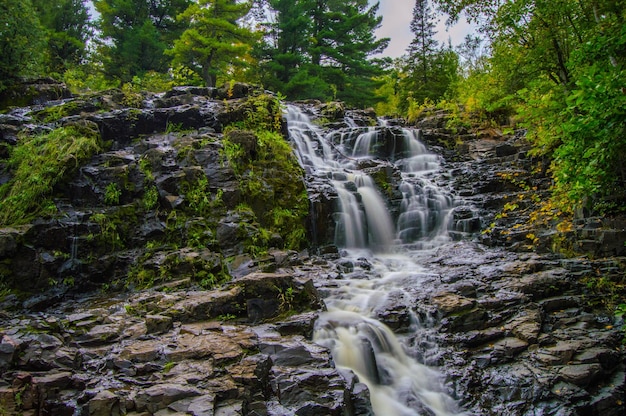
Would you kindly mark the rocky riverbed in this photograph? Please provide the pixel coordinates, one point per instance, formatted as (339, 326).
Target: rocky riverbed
(508, 327)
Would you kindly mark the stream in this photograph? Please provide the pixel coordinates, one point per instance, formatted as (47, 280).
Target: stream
(378, 251)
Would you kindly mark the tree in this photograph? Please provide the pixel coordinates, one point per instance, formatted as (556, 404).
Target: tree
(562, 64)
(213, 41)
(430, 69)
(68, 28)
(423, 47)
(322, 49)
(136, 33)
(283, 53)
(21, 41)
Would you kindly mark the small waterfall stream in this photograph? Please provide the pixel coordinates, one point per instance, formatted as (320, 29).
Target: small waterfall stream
(378, 247)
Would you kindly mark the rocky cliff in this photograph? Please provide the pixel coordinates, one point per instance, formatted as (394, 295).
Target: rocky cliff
(179, 261)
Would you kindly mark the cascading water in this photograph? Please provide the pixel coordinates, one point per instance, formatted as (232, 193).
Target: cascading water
(365, 230)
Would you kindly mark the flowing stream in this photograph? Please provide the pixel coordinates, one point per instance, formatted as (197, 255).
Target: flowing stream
(378, 249)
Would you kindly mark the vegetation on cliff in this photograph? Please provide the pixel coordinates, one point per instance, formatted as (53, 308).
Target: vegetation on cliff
(40, 162)
(555, 69)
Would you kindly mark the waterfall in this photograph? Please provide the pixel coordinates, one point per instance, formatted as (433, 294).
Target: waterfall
(365, 230)
(73, 263)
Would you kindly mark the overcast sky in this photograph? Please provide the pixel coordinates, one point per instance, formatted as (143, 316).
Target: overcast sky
(397, 16)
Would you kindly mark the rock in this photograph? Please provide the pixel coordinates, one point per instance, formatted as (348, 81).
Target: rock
(105, 403)
(33, 92)
(609, 359)
(508, 347)
(159, 396)
(202, 406)
(53, 380)
(526, 326)
(158, 324)
(220, 348)
(450, 303)
(190, 372)
(541, 284)
(563, 351)
(580, 374)
(101, 334)
(142, 351)
(506, 149)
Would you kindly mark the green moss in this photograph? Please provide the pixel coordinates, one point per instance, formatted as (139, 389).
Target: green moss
(270, 180)
(112, 194)
(37, 164)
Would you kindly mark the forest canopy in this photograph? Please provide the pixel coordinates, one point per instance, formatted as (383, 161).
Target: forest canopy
(554, 68)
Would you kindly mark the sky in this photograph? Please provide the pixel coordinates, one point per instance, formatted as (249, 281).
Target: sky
(397, 16)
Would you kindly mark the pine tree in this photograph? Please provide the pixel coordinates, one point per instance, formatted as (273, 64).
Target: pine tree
(136, 33)
(68, 28)
(21, 41)
(283, 53)
(423, 47)
(322, 49)
(214, 41)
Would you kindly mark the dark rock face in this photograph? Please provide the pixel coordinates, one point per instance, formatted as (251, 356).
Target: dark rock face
(33, 92)
(514, 335)
(511, 331)
(187, 352)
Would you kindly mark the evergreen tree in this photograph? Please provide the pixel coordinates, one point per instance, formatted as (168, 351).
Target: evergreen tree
(283, 53)
(21, 41)
(322, 49)
(423, 47)
(430, 68)
(68, 28)
(136, 33)
(214, 41)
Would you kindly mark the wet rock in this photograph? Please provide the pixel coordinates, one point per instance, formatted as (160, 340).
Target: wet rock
(101, 334)
(580, 374)
(33, 92)
(105, 403)
(541, 284)
(159, 396)
(609, 359)
(508, 348)
(562, 352)
(526, 325)
(158, 324)
(142, 351)
(219, 347)
(450, 303)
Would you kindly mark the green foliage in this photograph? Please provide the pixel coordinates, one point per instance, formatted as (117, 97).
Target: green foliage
(270, 178)
(131, 97)
(109, 233)
(136, 33)
(21, 41)
(213, 42)
(37, 164)
(146, 168)
(200, 200)
(561, 65)
(67, 27)
(150, 198)
(86, 77)
(322, 50)
(589, 162)
(112, 194)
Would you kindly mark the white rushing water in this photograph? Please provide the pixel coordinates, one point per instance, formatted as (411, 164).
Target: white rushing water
(399, 385)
